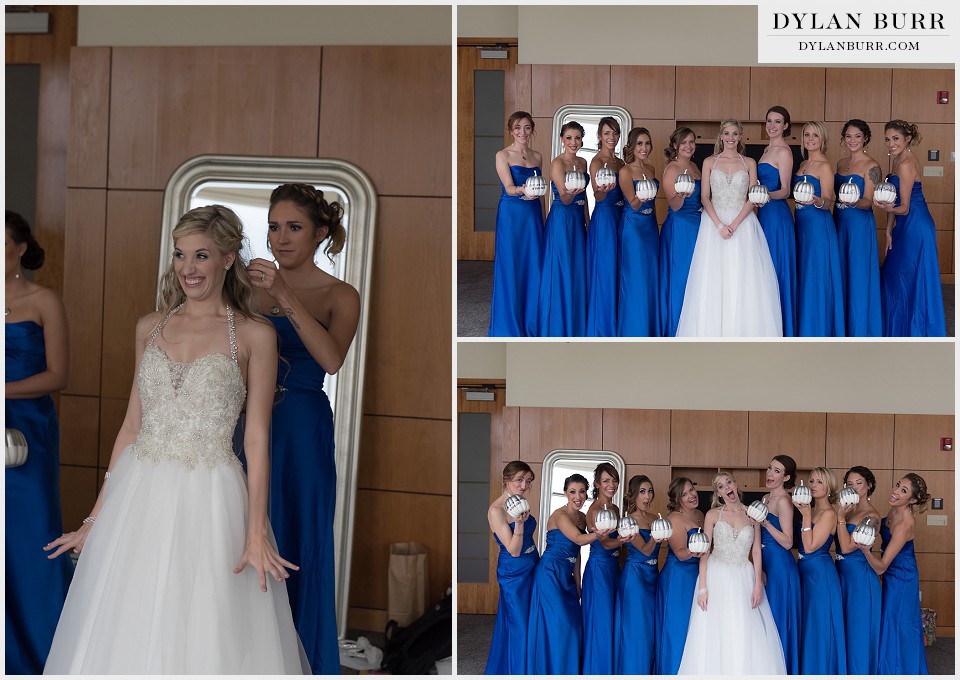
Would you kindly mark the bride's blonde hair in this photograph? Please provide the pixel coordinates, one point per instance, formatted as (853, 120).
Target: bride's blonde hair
(729, 122)
(717, 500)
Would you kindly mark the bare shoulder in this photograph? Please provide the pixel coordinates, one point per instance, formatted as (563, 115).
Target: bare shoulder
(538, 157)
(255, 333)
(48, 301)
(342, 294)
(750, 162)
(146, 324)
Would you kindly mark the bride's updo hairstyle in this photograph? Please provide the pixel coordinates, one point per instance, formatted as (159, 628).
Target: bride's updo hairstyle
(833, 484)
(325, 215)
(675, 490)
(729, 122)
(225, 229)
(600, 469)
(717, 500)
(33, 256)
(670, 153)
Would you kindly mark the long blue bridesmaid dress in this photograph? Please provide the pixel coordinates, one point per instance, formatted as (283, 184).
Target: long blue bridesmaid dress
(598, 598)
(638, 297)
(819, 278)
(517, 260)
(675, 588)
(901, 628)
(860, 588)
(635, 638)
(515, 578)
(554, 627)
(678, 238)
(859, 265)
(910, 277)
(35, 586)
(783, 593)
(563, 282)
(602, 278)
(778, 228)
(822, 647)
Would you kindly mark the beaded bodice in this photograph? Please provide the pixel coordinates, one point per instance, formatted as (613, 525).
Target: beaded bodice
(189, 409)
(729, 192)
(731, 545)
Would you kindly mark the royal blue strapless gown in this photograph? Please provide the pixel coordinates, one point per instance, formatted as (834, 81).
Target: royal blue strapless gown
(901, 629)
(859, 265)
(678, 238)
(36, 587)
(563, 283)
(860, 588)
(777, 222)
(638, 298)
(602, 256)
(822, 648)
(783, 592)
(554, 627)
(675, 589)
(910, 277)
(819, 278)
(599, 600)
(515, 578)
(303, 490)
(635, 634)
(517, 261)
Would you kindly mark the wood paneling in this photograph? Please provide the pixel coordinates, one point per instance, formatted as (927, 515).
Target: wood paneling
(640, 437)
(932, 538)
(935, 566)
(543, 430)
(423, 446)
(647, 92)
(859, 439)
(799, 90)
(713, 93)
(709, 438)
(79, 430)
(916, 442)
(89, 117)
(112, 413)
(553, 86)
(802, 436)
(510, 427)
(915, 95)
(939, 596)
(939, 137)
(864, 94)
(78, 493)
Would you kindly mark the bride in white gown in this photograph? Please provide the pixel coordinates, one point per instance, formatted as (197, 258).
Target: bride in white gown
(732, 288)
(731, 631)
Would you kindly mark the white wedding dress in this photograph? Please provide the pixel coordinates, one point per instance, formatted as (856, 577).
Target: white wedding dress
(731, 637)
(732, 288)
(154, 591)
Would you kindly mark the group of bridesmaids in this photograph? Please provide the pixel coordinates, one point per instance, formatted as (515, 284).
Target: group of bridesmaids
(832, 614)
(617, 273)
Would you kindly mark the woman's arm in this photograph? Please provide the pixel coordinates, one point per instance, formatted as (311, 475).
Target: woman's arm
(570, 530)
(757, 594)
(785, 167)
(908, 175)
(595, 165)
(747, 205)
(626, 186)
(870, 181)
(511, 540)
(844, 539)
(56, 341)
(815, 537)
(784, 535)
(899, 535)
(702, 595)
(678, 540)
(506, 178)
(705, 197)
(558, 176)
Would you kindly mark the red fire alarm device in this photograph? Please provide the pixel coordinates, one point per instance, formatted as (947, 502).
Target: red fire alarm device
(943, 97)
(946, 444)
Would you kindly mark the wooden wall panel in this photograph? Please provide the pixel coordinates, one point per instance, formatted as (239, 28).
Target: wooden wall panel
(112, 413)
(915, 95)
(89, 117)
(79, 430)
(916, 442)
(802, 436)
(412, 86)
(712, 93)
(552, 86)
(543, 430)
(936, 566)
(423, 445)
(708, 438)
(940, 137)
(939, 595)
(510, 440)
(640, 437)
(859, 439)
(647, 92)
(800, 90)
(865, 95)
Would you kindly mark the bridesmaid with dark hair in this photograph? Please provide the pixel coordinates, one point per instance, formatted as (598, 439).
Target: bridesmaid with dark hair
(602, 279)
(519, 236)
(901, 628)
(857, 234)
(859, 585)
(638, 298)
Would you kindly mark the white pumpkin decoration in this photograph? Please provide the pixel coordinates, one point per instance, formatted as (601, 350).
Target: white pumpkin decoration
(802, 495)
(16, 448)
(535, 186)
(575, 181)
(629, 527)
(661, 529)
(885, 192)
(849, 192)
(803, 191)
(849, 496)
(646, 189)
(684, 184)
(605, 521)
(758, 194)
(606, 178)
(516, 505)
(866, 532)
(698, 543)
(758, 511)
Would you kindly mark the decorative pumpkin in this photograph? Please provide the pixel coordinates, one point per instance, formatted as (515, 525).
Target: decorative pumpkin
(646, 189)
(803, 191)
(516, 505)
(606, 178)
(628, 527)
(849, 496)
(684, 183)
(661, 529)
(866, 532)
(885, 192)
(758, 511)
(535, 185)
(575, 181)
(849, 192)
(758, 194)
(802, 495)
(16, 448)
(605, 521)
(698, 543)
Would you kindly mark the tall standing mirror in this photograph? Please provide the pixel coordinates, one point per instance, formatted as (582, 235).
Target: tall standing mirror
(244, 183)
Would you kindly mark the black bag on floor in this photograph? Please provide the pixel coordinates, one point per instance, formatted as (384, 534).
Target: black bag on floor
(415, 649)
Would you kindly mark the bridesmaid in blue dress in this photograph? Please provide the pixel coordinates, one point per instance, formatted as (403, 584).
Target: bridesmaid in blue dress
(602, 278)
(822, 647)
(563, 282)
(678, 238)
(37, 364)
(515, 565)
(774, 171)
(859, 585)
(519, 238)
(910, 277)
(316, 316)
(857, 235)
(779, 565)
(554, 626)
(678, 580)
(635, 636)
(638, 296)
(901, 628)
(819, 277)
